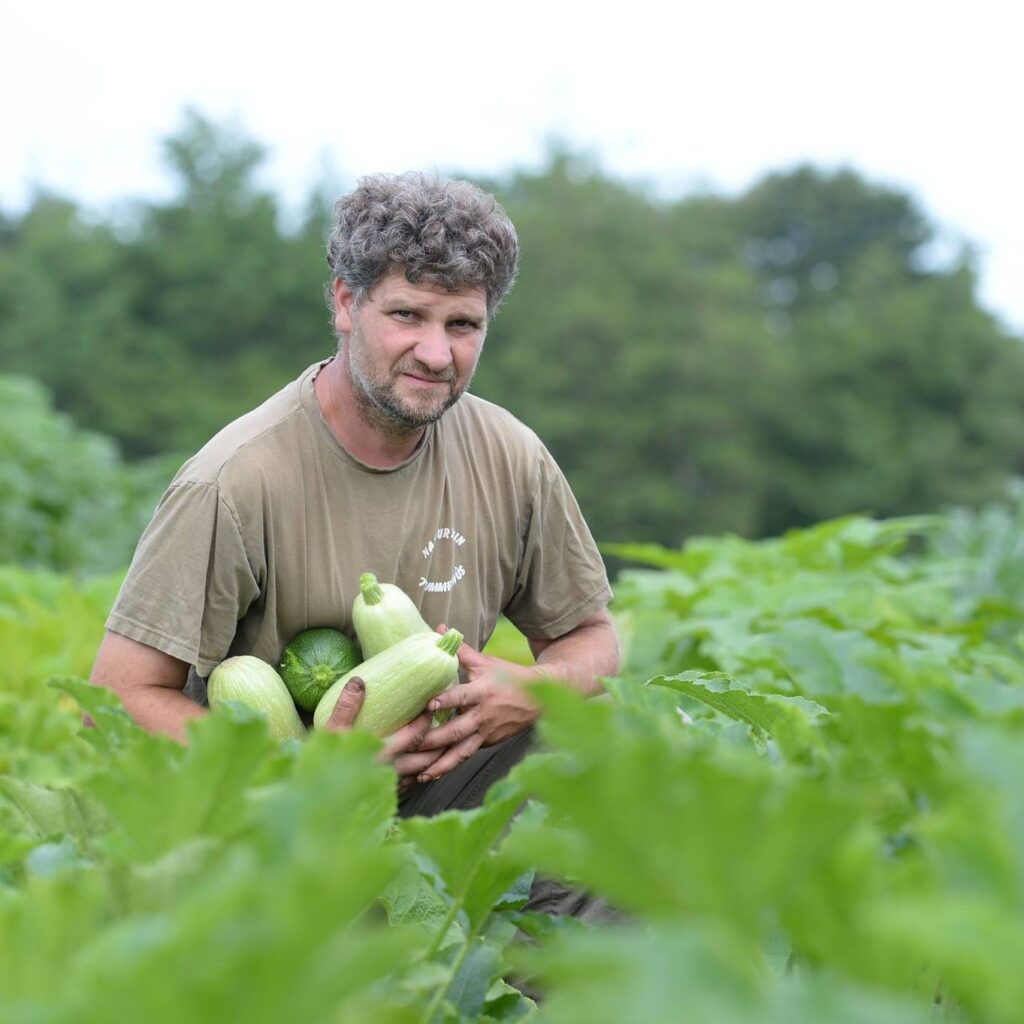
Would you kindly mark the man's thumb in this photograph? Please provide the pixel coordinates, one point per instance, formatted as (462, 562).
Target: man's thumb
(470, 657)
(350, 700)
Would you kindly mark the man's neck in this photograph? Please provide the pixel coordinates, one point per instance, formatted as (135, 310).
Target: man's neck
(371, 443)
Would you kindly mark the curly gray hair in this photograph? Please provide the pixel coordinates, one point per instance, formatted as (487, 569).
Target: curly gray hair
(448, 233)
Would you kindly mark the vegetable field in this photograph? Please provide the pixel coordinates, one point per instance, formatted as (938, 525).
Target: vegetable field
(805, 795)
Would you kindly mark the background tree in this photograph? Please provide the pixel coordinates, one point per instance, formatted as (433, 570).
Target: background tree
(897, 392)
(163, 330)
(699, 365)
(620, 346)
(67, 501)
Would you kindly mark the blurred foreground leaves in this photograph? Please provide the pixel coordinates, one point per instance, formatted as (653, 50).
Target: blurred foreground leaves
(810, 810)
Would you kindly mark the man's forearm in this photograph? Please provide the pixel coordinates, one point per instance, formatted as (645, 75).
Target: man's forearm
(149, 683)
(582, 656)
(159, 709)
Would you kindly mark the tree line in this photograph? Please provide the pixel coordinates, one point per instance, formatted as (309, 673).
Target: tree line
(697, 365)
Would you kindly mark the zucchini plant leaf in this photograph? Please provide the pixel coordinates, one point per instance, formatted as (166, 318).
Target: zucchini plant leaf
(668, 973)
(460, 844)
(472, 981)
(201, 786)
(790, 720)
(47, 813)
(663, 823)
(112, 726)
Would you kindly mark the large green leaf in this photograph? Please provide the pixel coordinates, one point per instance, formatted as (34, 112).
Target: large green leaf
(263, 914)
(680, 972)
(201, 787)
(665, 824)
(45, 813)
(790, 720)
(461, 846)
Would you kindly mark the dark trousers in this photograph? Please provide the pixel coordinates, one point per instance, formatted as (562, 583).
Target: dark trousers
(464, 787)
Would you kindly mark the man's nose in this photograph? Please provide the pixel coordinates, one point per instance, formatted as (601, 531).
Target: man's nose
(432, 348)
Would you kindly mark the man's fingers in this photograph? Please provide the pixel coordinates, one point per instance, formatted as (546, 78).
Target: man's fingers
(349, 702)
(408, 738)
(461, 695)
(437, 743)
(470, 658)
(460, 727)
(414, 763)
(452, 759)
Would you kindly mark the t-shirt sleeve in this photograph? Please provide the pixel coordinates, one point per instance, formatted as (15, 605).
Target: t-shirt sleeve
(561, 579)
(190, 580)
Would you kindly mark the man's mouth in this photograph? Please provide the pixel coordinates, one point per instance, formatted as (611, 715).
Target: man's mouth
(420, 379)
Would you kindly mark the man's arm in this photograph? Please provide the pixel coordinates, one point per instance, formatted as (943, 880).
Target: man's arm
(583, 655)
(150, 684)
(493, 705)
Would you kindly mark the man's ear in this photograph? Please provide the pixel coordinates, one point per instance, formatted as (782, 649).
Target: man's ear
(344, 302)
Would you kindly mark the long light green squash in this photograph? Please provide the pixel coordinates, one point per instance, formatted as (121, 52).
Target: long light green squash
(399, 681)
(254, 683)
(383, 614)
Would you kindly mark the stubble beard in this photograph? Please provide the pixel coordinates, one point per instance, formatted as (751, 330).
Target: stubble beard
(378, 398)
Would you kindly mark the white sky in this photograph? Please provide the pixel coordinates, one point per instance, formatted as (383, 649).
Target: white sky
(923, 96)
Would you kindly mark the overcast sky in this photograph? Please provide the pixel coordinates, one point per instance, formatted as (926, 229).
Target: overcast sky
(922, 96)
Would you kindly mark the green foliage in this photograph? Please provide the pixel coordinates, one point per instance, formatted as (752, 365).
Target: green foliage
(159, 328)
(748, 365)
(274, 889)
(50, 625)
(269, 861)
(667, 973)
(68, 501)
(507, 642)
(697, 365)
(803, 791)
(810, 810)
(620, 346)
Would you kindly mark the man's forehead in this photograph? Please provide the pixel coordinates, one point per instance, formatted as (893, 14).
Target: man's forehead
(394, 286)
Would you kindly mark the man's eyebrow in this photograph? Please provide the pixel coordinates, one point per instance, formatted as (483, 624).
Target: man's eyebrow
(415, 306)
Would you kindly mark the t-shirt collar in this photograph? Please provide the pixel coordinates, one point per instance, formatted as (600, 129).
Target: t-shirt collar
(326, 436)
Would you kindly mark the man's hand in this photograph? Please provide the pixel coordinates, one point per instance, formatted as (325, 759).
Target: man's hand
(492, 706)
(397, 746)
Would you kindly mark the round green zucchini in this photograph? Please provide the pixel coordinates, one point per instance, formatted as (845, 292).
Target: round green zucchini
(313, 660)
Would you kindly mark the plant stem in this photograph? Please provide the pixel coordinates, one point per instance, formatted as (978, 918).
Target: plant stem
(438, 999)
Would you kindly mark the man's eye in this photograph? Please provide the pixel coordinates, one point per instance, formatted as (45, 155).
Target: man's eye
(403, 314)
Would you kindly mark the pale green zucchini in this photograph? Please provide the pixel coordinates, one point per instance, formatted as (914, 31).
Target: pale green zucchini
(253, 682)
(383, 614)
(399, 681)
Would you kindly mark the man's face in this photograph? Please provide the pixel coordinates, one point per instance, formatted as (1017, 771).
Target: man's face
(411, 349)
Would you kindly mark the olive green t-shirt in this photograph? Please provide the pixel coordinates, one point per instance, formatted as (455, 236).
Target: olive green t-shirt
(266, 530)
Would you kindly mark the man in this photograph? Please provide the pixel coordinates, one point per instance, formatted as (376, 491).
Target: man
(376, 460)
